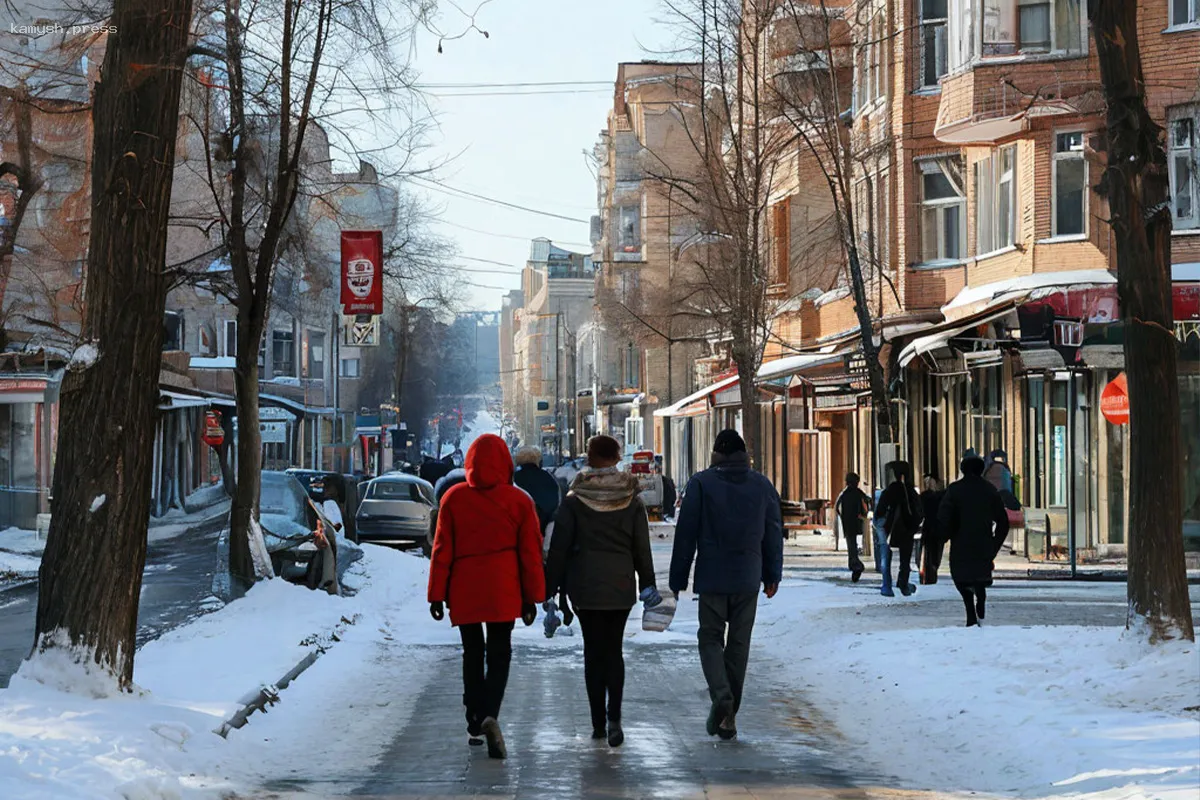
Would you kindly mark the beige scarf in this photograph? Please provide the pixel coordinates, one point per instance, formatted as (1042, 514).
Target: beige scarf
(606, 489)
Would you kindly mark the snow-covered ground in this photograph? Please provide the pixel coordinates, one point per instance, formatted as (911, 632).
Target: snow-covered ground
(159, 742)
(1027, 711)
(483, 423)
(17, 566)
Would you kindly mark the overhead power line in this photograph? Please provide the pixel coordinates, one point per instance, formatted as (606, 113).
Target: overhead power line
(507, 235)
(433, 185)
(443, 95)
(520, 84)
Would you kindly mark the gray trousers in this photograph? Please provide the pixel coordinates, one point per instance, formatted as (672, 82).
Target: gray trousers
(726, 621)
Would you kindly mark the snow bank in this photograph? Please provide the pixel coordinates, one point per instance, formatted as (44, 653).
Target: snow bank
(159, 741)
(1025, 711)
(19, 540)
(17, 566)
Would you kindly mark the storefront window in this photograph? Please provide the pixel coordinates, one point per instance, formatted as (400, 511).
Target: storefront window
(1033, 492)
(987, 428)
(19, 491)
(1058, 443)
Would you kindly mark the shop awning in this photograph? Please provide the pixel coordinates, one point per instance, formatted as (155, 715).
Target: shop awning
(683, 407)
(973, 300)
(939, 338)
(792, 365)
(169, 401)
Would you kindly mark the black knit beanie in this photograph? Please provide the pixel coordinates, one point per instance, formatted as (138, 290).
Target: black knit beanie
(729, 442)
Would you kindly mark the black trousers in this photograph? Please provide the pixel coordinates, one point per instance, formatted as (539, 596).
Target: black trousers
(483, 691)
(603, 662)
(726, 622)
(851, 530)
(906, 556)
(974, 597)
(931, 558)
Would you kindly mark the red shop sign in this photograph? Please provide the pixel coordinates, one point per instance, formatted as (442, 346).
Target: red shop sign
(1114, 401)
(214, 434)
(362, 272)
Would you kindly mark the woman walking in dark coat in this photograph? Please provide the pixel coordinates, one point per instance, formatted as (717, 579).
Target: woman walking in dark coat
(973, 519)
(487, 567)
(601, 541)
(933, 541)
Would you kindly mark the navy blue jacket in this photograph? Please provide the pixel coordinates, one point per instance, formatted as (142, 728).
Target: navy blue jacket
(542, 487)
(731, 516)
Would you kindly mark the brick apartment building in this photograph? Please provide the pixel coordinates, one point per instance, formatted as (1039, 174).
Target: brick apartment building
(977, 132)
(641, 345)
(45, 93)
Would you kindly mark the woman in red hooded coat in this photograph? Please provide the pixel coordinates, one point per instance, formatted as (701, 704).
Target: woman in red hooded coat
(487, 567)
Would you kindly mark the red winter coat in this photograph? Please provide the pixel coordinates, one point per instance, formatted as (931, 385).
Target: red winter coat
(487, 551)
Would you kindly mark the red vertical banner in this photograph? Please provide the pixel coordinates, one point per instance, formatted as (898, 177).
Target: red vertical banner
(362, 272)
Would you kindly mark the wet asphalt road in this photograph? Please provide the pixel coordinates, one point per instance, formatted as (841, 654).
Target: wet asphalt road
(178, 578)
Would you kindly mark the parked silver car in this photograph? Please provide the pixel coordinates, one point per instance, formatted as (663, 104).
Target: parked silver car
(395, 510)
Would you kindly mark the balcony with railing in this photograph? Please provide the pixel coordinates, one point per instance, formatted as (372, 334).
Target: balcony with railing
(990, 102)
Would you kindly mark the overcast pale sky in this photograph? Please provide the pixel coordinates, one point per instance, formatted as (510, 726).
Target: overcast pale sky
(526, 150)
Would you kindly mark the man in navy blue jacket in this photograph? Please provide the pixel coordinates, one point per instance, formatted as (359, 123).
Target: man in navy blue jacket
(731, 515)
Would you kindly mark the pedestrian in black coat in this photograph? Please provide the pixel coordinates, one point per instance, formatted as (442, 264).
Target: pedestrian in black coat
(933, 540)
(972, 517)
(600, 551)
(851, 508)
(537, 483)
(900, 509)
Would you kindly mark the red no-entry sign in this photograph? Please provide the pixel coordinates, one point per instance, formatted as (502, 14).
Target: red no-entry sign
(1114, 401)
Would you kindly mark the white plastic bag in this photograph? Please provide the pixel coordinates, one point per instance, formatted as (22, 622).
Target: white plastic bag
(658, 618)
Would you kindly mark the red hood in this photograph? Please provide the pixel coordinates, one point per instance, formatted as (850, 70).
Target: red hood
(488, 462)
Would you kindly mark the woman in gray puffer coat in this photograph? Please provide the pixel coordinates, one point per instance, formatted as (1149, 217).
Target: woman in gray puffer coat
(601, 542)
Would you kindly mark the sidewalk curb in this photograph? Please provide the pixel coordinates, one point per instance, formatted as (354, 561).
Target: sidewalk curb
(268, 695)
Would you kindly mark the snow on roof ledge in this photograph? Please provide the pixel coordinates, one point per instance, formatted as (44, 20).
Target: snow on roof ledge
(972, 298)
(783, 367)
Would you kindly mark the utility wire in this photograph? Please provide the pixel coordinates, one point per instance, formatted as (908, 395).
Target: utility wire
(464, 194)
(472, 85)
(506, 235)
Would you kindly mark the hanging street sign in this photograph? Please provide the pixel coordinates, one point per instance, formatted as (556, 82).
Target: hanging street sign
(1114, 401)
(214, 434)
(362, 272)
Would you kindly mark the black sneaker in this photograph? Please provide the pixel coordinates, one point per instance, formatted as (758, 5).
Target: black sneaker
(728, 728)
(474, 734)
(616, 736)
(495, 739)
(716, 713)
(855, 575)
(599, 733)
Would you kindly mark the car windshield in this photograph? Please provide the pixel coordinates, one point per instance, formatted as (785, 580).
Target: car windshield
(395, 490)
(283, 496)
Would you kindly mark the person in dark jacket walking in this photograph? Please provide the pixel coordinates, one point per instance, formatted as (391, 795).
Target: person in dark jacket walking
(851, 508)
(933, 541)
(601, 542)
(900, 510)
(731, 523)
(487, 567)
(669, 496)
(539, 483)
(973, 518)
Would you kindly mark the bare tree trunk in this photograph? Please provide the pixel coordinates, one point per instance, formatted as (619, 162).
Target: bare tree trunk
(876, 376)
(1136, 185)
(91, 573)
(245, 535)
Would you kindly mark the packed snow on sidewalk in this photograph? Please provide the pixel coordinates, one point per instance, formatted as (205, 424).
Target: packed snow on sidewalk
(1033, 711)
(159, 742)
(17, 566)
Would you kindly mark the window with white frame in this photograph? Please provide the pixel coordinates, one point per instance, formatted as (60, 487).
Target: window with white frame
(1070, 185)
(871, 75)
(1009, 27)
(934, 58)
(1184, 12)
(351, 368)
(1183, 157)
(995, 201)
(943, 210)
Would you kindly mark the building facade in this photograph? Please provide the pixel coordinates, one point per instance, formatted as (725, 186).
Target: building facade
(976, 134)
